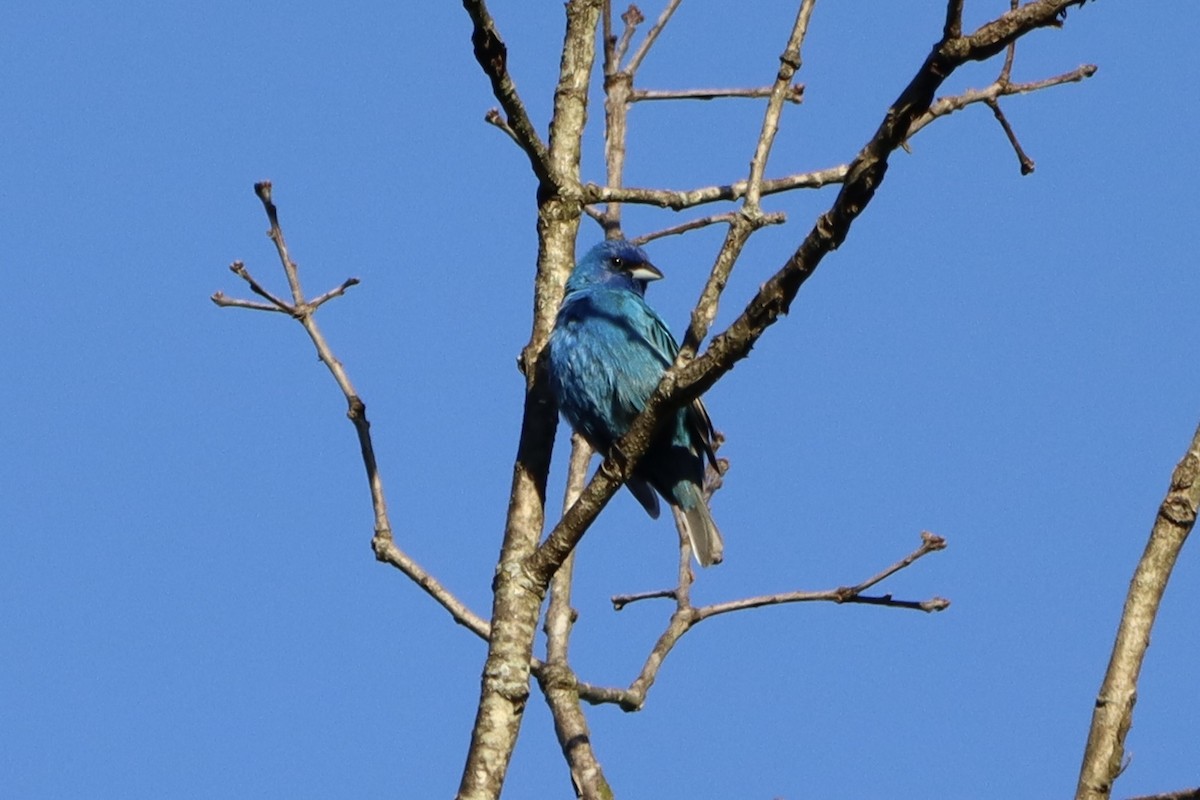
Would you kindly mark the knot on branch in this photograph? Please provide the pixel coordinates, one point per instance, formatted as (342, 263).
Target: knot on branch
(1186, 473)
(1179, 511)
(633, 700)
(558, 676)
(490, 51)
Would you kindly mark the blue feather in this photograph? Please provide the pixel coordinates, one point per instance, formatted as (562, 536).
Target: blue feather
(608, 351)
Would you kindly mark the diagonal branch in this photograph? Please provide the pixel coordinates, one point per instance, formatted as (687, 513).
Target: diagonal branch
(999, 88)
(639, 55)
(303, 311)
(789, 63)
(492, 55)
(774, 218)
(685, 382)
(1113, 715)
(1027, 165)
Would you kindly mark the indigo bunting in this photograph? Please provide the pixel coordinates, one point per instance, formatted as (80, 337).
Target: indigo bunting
(608, 351)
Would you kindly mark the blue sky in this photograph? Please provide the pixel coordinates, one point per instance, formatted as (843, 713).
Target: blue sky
(191, 607)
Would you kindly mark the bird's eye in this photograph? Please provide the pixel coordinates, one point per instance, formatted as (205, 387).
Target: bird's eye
(619, 263)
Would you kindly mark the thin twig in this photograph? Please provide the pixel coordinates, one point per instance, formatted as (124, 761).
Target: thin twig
(337, 291)
(793, 94)
(949, 105)
(385, 548)
(789, 63)
(1027, 165)
(495, 118)
(632, 18)
(679, 199)
(774, 218)
(640, 54)
(619, 601)
(1113, 714)
(492, 55)
(223, 300)
(843, 594)
(684, 382)
(239, 269)
(685, 617)
(1182, 794)
(1009, 55)
(750, 217)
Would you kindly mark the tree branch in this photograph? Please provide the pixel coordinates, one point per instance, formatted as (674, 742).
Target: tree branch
(773, 218)
(640, 54)
(1182, 794)
(303, 311)
(793, 94)
(557, 680)
(679, 199)
(684, 382)
(492, 55)
(685, 617)
(999, 88)
(1113, 715)
(504, 686)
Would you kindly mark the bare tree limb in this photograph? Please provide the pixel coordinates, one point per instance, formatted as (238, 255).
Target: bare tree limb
(750, 217)
(789, 63)
(1027, 165)
(337, 291)
(1000, 88)
(557, 680)
(684, 382)
(221, 299)
(1182, 794)
(773, 218)
(1113, 715)
(492, 55)
(685, 617)
(640, 54)
(303, 311)
(504, 686)
(844, 594)
(953, 27)
(632, 18)
(793, 94)
(679, 199)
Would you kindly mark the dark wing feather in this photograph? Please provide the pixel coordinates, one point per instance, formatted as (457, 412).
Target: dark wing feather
(699, 423)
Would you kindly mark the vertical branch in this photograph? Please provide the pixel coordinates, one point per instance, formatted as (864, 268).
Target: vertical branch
(558, 681)
(789, 63)
(517, 600)
(1113, 715)
(751, 216)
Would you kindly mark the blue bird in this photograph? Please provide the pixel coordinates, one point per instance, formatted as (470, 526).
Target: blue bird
(608, 351)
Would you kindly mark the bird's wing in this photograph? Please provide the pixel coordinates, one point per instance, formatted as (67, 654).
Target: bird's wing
(656, 334)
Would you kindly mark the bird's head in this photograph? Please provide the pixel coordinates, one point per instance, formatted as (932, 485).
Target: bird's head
(615, 263)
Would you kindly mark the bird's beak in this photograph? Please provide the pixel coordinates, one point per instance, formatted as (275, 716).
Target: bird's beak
(645, 272)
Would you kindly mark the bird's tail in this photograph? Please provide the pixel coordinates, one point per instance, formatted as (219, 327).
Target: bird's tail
(702, 532)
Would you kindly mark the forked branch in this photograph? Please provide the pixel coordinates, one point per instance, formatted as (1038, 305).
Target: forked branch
(303, 311)
(686, 617)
